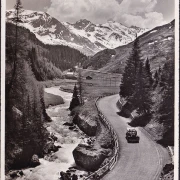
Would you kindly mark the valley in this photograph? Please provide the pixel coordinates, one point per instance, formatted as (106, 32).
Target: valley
(65, 81)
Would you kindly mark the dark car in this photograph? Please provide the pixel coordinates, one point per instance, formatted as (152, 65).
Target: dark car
(131, 135)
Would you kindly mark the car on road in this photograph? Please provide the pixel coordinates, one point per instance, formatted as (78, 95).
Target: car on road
(131, 135)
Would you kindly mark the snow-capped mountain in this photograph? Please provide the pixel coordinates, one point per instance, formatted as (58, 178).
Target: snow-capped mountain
(83, 35)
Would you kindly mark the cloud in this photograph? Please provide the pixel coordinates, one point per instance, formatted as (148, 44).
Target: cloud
(151, 20)
(129, 12)
(97, 11)
(137, 6)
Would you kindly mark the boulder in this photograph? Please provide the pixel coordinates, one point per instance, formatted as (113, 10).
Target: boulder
(50, 147)
(53, 137)
(72, 127)
(13, 174)
(52, 100)
(35, 161)
(74, 177)
(21, 173)
(88, 158)
(86, 124)
(65, 176)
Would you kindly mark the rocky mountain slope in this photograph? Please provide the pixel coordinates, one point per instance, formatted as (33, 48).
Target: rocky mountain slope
(156, 44)
(83, 35)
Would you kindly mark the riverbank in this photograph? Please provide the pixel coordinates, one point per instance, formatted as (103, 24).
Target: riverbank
(55, 162)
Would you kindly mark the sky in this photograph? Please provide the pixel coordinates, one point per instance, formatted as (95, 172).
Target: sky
(141, 13)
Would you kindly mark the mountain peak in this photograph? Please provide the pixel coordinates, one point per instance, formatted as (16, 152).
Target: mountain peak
(82, 23)
(83, 35)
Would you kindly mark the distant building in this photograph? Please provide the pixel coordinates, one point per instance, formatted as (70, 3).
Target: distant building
(88, 77)
(70, 75)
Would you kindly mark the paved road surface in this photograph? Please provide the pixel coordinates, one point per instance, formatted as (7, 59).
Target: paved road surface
(141, 161)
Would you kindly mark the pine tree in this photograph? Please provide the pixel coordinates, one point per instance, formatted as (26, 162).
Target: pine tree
(141, 99)
(159, 70)
(80, 86)
(166, 108)
(75, 99)
(165, 111)
(127, 85)
(163, 79)
(148, 70)
(17, 20)
(155, 79)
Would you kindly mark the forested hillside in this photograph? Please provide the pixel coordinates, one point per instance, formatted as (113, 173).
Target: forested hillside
(47, 61)
(162, 122)
(25, 111)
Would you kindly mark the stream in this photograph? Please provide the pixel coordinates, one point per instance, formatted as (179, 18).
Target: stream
(52, 164)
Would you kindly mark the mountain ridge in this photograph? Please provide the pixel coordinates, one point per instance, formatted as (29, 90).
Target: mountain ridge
(83, 35)
(156, 45)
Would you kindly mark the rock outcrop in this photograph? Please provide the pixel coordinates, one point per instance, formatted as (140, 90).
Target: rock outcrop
(86, 124)
(52, 100)
(88, 158)
(35, 161)
(50, 147)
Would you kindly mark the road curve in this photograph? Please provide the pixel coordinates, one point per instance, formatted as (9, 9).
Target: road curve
(143, 161)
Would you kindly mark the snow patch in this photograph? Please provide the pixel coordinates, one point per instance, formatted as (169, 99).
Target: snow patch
(168, 39)
(153, 31)
(151, 43)
(53, 28)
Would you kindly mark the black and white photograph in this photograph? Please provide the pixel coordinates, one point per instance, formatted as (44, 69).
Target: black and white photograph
(89, 90)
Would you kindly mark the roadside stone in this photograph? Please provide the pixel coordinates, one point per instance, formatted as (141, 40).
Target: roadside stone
(35, 161)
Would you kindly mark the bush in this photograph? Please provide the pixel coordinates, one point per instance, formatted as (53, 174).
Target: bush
(126, 110)
(141, 120)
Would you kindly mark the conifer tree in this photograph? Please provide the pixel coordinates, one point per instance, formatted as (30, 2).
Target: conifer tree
(127, 85)
(159, 70)
(17, 20)
(166, 107)
(80, 86)
(163, 79)
(141, 99)
(75, 99)
(148, 70)
(156, 79)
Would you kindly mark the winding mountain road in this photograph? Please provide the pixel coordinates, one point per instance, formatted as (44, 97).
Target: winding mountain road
(138, 161)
